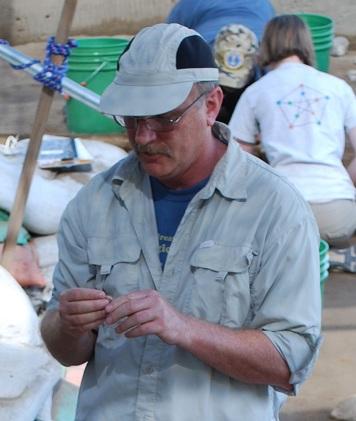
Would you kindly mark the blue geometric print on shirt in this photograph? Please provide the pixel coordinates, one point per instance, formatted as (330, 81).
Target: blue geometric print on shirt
(303, 106)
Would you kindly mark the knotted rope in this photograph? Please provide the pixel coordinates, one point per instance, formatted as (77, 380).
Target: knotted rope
(52, 74)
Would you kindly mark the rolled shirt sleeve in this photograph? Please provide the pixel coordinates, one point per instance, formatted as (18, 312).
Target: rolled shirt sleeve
(287, 298)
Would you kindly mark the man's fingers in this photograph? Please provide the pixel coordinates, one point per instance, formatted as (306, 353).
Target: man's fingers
(127, 304)
(126, 308)
(79, 330)
(142, 330)
(79, 294)
(84, 318)
(82, 309)
(78, 307)
(135, 295)
(136, 319)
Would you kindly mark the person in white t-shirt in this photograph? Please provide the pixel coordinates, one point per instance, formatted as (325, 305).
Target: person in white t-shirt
(301, 116)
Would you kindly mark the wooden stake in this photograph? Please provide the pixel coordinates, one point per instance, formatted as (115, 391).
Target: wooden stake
(38, 128)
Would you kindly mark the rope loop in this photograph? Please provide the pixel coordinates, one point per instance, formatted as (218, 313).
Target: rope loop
(54, 48)
(52, 74)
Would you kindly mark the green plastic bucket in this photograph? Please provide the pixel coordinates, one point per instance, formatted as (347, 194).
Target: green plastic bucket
(317, 23)
(79, 117)
(98, 46)
(94, 59)
(322, 33)
(96, 70)
(324, 264)
(322, 56)
(323, 250)
(323, 41)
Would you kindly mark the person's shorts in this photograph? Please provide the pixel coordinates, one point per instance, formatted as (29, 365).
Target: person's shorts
(336, 221)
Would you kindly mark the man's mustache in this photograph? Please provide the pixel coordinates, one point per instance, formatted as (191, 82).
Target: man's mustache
(152, 150)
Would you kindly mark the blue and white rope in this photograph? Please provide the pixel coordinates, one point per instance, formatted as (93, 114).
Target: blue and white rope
(51, 75)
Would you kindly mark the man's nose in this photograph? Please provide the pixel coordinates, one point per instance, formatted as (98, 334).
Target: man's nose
(143, 133)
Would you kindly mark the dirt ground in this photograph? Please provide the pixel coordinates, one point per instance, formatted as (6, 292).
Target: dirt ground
(334, 376)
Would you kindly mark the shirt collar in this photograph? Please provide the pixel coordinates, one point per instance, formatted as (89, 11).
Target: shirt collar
(232, 166)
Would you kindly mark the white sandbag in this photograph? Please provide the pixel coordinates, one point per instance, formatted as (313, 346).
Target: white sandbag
(105, 155)
(27, 371)
(47, 250)
(19, 365)
(18, 320)
(47, 198)
(28, 377)
(50, 192)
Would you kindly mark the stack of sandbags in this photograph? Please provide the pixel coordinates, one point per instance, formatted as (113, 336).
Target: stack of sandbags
(50, 192)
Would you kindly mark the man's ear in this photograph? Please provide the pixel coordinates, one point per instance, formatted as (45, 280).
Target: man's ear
(213, 103)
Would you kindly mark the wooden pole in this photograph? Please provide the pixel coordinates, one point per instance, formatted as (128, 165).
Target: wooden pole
(38, 128)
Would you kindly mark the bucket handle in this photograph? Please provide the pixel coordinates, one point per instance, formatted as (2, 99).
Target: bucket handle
(90, 77)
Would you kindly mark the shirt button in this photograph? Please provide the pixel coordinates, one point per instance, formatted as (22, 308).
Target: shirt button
(148, 370)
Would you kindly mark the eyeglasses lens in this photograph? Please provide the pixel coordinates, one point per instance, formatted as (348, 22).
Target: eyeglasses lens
(157, 124)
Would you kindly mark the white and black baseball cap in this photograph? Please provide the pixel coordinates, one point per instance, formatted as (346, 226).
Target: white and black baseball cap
(156, 72)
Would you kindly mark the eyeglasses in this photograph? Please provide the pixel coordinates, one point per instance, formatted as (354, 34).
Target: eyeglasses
(157, 124)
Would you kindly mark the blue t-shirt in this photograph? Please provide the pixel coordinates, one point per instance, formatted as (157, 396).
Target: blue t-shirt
(208, 16)
(170, 206)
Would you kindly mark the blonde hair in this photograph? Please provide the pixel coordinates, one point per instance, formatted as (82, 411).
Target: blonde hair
(285, 36)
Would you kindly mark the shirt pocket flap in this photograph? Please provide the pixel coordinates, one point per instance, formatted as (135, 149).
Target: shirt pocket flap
(222, 258)
(108, 251)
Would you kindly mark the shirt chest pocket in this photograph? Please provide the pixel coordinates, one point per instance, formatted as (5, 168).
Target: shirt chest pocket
(114, 264)
(221, 286)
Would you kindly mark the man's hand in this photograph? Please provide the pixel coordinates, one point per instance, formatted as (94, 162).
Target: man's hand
(246, 355)
(145, 312)
(82, 310)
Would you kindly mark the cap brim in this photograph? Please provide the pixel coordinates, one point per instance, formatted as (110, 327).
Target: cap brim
(129, 100)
